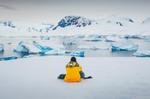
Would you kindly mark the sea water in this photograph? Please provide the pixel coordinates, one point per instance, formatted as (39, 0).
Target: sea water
(91, 48)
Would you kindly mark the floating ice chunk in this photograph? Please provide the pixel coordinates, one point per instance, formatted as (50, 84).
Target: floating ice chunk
(94, 38)
(8, 58)
(93, 47)
(133, 36)
(1, 48)
(113, 38)
(123, 46)
(55, 52)
(44, 37)
(64, 52)
(70, 43)
(26, 48)
(43, 49)
(98, 48)
(22, 49)
(87, 47)
(142, 53)
(76, 53)
(147, 38)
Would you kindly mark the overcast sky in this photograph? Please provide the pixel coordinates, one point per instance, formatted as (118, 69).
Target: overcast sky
(53, 10)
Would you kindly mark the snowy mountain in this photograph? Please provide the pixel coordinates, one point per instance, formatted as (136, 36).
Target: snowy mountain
(79, 21)
(76, 21)
(115, 20)
(43, 28)
(20, 28)
(146, 21)
(7, 24)
(76, 25)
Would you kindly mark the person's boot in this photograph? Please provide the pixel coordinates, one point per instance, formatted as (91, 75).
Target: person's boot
(89, 77)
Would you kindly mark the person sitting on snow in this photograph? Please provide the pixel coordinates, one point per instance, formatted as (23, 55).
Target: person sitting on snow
(74, 72)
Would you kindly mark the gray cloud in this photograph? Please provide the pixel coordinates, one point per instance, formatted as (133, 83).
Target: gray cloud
(73, 1)
(54, 9)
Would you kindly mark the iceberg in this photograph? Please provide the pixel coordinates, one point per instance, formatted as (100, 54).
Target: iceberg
(1, 48)
(43, 49)
(76, 53)
(142, 53)
(65, 53)
(22, 49)
(71, 43)
(26, 49)
(147, 38)
(55, 52)
(83, 47)
(94, 38)
(133, 36)
(113, 38)
(93, 47)
(44, 37)
(123, 46)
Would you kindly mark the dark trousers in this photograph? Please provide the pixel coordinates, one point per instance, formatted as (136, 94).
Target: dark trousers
(82, 74)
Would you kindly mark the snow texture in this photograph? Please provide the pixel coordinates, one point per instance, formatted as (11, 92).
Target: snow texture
(113, 78)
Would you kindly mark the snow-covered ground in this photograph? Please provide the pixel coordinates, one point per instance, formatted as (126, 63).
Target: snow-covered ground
(113, 78)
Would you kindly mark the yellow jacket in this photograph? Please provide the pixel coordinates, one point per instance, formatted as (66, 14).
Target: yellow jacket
(73, 70)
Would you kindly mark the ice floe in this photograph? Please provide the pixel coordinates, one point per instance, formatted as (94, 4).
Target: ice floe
(123, 46)
(142, 53)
